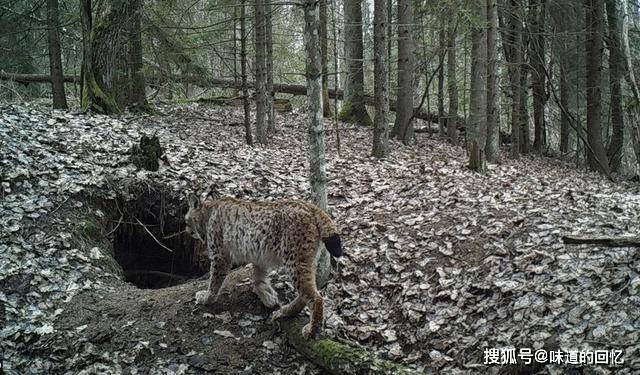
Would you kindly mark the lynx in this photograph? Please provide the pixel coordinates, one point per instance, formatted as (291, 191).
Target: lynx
(268, 235)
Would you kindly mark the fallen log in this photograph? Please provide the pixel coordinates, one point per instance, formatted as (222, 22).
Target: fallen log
(607, 241)
(338, 357)
(282, 88)
(34, 78)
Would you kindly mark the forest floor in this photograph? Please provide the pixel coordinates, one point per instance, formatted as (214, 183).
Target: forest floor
(440, 262)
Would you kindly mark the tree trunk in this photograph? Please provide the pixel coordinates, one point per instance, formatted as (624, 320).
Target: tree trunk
(597, 156)
(381, 84)
(452, 84)
(93, 95)
(261, 76)
(112, 56)
(565, 22)
(317, 163)
(271, 114)
(137, 97)
(243, 72)
(616, 69)
(326, 102)
(403, 127)
(477, 128)
(564, 101)
(235, 50)
(55, 61)
(525, 139)
(511, 29)
(441, 54)
(492, 147)
(537, 58)
(353, 107)
(631, 79)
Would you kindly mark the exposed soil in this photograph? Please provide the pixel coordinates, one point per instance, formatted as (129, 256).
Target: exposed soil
(147, 328)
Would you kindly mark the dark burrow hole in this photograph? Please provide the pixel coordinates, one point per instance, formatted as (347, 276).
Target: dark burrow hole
(145, 230)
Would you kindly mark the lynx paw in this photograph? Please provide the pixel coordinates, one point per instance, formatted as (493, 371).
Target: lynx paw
(277, 315)
(307, 332)
(269, 298)
(203, 297)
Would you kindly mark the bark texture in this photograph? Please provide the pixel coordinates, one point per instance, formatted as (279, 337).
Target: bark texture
(403, 127)
(511, 32)
(268, 26)
(442, 120)
(492, 147)
(596, 154)
(381, 84)
(353, 107)
(112, 77)
(55, 61)
(477, 128)
(631, 79)
(452, 83)
(243, 71)
(616, 70)
(537, 61)
(317, 162)
(261, 71)
(324, 41)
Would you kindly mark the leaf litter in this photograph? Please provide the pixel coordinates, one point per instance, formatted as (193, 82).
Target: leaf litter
(441, 262)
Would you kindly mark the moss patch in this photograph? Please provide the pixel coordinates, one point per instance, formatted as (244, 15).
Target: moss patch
(349, 113)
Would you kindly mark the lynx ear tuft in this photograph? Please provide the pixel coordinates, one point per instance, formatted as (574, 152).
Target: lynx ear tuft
(194, 201)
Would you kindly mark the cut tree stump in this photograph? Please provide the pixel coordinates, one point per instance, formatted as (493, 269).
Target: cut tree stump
(608, 241)
(148, 153)
(337, 357)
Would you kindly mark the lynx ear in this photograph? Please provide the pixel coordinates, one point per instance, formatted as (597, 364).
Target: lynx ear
(194, 201)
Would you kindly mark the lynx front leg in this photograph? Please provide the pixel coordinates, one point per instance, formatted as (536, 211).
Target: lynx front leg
(220, 267)
(262, 287)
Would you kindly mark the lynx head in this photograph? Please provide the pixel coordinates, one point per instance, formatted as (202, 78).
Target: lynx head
(195, 219)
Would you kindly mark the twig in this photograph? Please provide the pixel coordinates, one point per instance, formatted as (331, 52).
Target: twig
(117, 225)
(173, 235)
(60, 205)
(152, 236)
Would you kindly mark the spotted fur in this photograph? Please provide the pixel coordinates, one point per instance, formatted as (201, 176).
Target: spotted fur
(268, 235)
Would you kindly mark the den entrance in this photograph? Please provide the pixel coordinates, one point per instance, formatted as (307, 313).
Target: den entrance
(150, 244)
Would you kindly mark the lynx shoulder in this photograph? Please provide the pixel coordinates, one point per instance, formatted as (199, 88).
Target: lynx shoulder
(268, 235)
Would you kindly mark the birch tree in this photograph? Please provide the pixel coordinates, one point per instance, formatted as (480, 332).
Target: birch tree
(492, 147)
(243, 71)
(317, 164)
(261, 69)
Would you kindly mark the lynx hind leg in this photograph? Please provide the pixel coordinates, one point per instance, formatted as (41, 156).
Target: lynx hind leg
(262, 287)
(220, 267)
(305, 281)
(292, 308)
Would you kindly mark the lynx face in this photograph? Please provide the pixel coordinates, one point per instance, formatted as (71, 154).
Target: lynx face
(267, 235)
